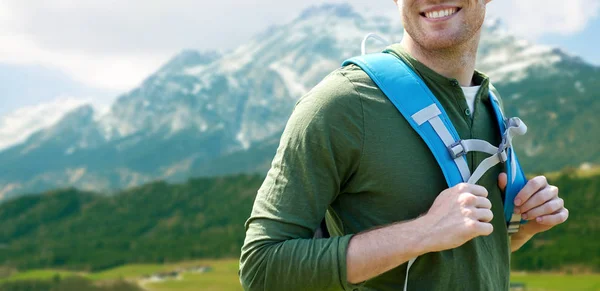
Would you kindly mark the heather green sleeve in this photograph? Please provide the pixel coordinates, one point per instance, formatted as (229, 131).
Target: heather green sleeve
(319, 151)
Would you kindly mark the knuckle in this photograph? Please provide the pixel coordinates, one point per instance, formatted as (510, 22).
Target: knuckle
(539, 181)
(462, 186)
(471, 201)
(550, 207)
(561, 202)
(535, 182)
(470, 224)
(466, 199)
(540, 198)
(531, 214)
(528, 206)
(467, 212)
(554, 191)
(471, 198)
(550, 194)
(558, 204)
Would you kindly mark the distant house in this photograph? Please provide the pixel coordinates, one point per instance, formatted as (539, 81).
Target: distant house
(196, 269)
(176, 275)
(200, 269)
(517, 286)
(159, 277)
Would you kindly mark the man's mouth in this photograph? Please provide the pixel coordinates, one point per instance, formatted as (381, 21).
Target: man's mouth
(440, 12)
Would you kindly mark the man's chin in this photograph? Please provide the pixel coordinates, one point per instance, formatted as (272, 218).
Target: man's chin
(438, 42)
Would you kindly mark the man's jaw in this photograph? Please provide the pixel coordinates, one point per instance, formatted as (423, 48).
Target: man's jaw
(440, 12)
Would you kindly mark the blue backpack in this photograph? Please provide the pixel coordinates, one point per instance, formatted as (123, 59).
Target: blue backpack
(428, 118)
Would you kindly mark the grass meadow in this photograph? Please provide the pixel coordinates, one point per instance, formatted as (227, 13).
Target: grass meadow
(223, 277)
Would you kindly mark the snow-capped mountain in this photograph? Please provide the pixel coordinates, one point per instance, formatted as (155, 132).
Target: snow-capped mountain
(16, 126)
(554, 92)
(213, 114)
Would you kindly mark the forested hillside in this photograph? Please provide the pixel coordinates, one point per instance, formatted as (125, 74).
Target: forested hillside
(204, 218)
(157, 222)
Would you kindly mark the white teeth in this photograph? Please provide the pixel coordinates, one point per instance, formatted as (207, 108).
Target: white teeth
(441, 13)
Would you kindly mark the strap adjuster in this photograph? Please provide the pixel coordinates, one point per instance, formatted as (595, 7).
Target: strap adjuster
(457, 150)
(502, 156)
(503, 149)
(514, 224)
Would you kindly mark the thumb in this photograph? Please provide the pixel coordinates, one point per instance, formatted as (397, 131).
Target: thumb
(502, 179)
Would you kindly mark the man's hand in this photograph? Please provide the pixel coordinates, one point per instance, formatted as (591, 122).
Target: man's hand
(458, 215)
(537, 202)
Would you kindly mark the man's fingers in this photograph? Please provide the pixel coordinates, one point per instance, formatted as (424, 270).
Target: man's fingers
(539, 198)
(484, 215)
(532, 186)
(473, 189)
(483, 202)
(555, 218)
(502, 181)
(484, 228)
(549, 207)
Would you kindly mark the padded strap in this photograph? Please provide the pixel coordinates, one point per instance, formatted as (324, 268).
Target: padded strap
(427, 117)
(516, 177)
(410, 96)
(431, 114)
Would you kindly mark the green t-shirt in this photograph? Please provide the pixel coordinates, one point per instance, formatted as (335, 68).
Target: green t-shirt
(347, 151)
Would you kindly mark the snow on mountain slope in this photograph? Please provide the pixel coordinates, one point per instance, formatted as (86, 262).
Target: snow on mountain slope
(507, 59)
(16, 126)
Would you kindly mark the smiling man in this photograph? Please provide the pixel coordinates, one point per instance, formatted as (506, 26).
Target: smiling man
(347, 154)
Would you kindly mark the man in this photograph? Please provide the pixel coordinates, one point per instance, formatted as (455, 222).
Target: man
(347, 153)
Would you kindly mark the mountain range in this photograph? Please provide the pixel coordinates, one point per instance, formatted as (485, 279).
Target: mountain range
(210, 114)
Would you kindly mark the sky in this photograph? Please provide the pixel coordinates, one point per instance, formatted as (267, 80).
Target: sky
(107, 47)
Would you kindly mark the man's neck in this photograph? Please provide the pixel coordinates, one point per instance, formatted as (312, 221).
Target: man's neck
(455, 63)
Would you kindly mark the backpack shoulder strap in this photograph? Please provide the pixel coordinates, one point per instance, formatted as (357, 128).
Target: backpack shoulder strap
(516, 178)
(425, 114)
(419, 107)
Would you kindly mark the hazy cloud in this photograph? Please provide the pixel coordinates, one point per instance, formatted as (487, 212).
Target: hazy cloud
(18, 125)
(534, 18)
(115, 44)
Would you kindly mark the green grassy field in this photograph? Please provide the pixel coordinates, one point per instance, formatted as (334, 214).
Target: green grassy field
(223, 277)
(558, 282)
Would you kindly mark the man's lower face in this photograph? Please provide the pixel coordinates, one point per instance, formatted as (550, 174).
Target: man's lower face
(441, 24)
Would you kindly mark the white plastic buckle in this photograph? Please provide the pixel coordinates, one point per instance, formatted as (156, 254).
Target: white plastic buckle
(457, 150)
